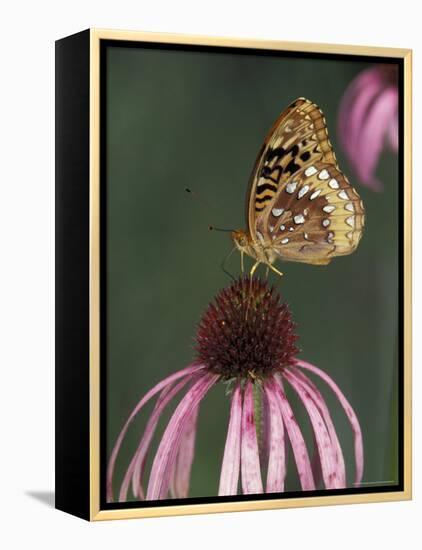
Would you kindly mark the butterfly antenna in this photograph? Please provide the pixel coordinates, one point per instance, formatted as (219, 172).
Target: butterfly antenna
(213, 228)
(198, 198)
(208, 206)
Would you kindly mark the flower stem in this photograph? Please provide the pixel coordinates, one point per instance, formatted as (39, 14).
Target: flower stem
(257, 399)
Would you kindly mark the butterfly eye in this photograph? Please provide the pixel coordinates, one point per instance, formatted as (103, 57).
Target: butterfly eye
(240, 238)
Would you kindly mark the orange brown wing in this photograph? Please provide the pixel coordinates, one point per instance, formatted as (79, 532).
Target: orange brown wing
(316, 216)
(297, 140)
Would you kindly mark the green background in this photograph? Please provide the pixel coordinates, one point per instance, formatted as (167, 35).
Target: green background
(178, 119)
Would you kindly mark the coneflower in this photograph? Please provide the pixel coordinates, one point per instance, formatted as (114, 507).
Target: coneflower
(245, 339)
(369, 120)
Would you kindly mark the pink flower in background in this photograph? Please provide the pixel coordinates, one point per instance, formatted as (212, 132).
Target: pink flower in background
(245, 339)
(368, 120)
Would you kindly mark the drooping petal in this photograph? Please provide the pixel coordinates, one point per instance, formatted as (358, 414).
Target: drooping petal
(300, 451)
(250, 467)
(229, 477)
(351, 415)
(325, 449)
(373, 134)
(136, 465)
(393, 133)
(162, 467)
(156, 389)
(181, 473)
(264, 441)
(316, 463)
(276, 460)
(319, 401)
(368, 118)
(354, 108)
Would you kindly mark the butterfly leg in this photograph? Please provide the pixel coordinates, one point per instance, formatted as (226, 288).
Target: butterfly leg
(267, 271)
(251, 274)
(275, 270)
(255, 265)
(242, 267)
(270, 266)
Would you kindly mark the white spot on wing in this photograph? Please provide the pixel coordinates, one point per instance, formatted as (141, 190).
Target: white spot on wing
(271, 228)
(315, 194)
(284, 241)
(333, 183)
(329, 208)
(310, 171)
(282, 227)
(349, 206)
(350, 221)
(343, 195)
(323, 175)
(277, 212)
(303, 191)
(325, 223)
(291, 187)
(299, 218)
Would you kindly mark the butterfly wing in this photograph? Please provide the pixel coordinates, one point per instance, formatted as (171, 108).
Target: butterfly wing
(316, 216)
(298, 139)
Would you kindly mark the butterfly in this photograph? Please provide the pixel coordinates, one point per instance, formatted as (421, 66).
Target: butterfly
(300, 207)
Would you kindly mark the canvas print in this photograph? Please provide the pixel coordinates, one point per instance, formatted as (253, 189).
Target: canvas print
(251, 340)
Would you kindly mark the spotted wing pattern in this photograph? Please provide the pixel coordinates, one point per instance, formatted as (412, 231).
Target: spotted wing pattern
(297, 140)
(317, 215)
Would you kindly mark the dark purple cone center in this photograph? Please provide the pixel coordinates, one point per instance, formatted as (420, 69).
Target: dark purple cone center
(247, 331)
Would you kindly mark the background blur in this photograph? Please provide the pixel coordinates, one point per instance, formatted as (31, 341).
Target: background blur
(187, 119)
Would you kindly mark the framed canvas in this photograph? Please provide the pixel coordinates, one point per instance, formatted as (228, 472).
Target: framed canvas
(233, 277)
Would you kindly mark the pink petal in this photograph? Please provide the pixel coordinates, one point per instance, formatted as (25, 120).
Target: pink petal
(296, 438)
(264, 443)
(251, 472)
(393, 133)
(316, 463)
(229, 477)
(349, 412)
(136, 466)
(277, 461)
(373, 133)
(319, 401)
(354, 108)
(157, 388)
(183, 465)
(325, 449)
(165, 457)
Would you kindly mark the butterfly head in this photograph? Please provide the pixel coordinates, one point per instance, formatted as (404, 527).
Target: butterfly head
(241, 240)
